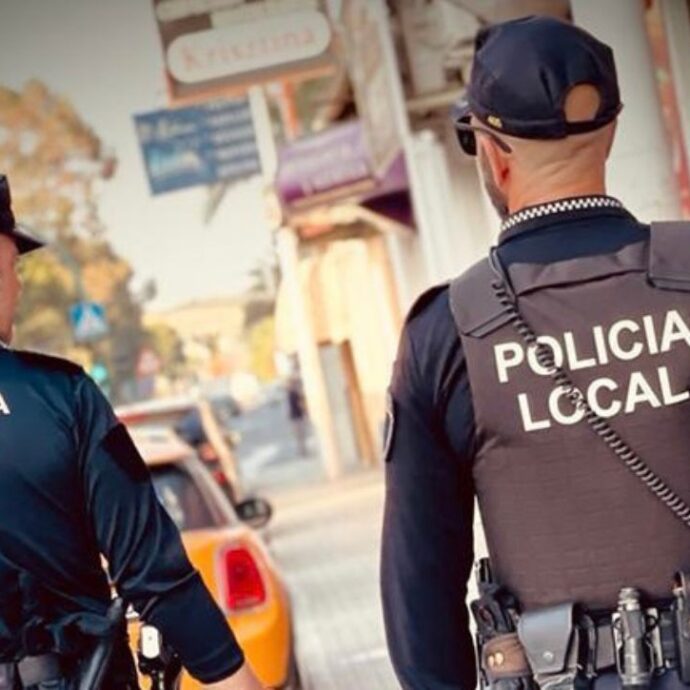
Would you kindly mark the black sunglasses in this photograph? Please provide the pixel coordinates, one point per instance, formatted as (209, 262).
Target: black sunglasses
(466, 134)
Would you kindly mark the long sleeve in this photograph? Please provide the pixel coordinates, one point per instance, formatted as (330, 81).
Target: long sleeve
(427, 548)
(146, 558)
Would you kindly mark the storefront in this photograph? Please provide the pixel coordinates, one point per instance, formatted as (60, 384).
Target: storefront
(343, 214)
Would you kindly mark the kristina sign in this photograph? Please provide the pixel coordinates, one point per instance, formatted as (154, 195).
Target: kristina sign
(221, 46)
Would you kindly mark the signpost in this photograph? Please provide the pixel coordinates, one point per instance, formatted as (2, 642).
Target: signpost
(88, 321)
(215, 47)
(198, 145)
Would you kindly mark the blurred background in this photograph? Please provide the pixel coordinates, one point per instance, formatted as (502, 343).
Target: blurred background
(242, 200)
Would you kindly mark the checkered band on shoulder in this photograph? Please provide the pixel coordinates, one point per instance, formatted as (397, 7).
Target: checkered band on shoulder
(563, 206)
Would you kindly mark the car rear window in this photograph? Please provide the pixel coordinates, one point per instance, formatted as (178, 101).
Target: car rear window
(182, 498)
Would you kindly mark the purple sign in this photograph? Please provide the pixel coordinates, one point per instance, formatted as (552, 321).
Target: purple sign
(331, 164)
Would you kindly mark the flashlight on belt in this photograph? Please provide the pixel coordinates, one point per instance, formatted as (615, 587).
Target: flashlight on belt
(633, 650)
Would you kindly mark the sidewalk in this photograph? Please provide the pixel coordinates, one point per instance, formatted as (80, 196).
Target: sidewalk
(326, 539)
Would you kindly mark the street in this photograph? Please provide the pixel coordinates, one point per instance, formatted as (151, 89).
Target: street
(325, 537)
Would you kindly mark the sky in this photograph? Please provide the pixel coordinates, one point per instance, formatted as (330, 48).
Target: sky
(105, 57)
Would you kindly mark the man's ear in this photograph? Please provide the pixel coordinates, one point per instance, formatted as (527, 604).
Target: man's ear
(612, 135)
(497, 160)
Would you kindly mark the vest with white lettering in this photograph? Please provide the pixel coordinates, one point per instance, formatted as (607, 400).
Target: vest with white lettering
(564, 519)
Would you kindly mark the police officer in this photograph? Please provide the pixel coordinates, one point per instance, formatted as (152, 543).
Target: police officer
(72, 488)
(549, 382)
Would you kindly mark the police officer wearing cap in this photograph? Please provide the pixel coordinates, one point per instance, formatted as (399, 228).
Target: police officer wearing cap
(73, 488)
(550, 383)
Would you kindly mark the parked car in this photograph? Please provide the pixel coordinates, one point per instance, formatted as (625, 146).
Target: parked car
(231, 557)
(196, 422)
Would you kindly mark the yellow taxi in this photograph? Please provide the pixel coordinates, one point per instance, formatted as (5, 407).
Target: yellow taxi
(231, 557)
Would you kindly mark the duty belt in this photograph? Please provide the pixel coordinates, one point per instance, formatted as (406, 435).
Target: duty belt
(549, 641)
(600, 639)
(565, 646)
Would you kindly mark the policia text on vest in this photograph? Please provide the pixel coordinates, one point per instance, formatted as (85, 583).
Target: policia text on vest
(624, 340)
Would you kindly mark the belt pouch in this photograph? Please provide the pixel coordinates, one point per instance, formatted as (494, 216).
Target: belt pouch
(551, 642)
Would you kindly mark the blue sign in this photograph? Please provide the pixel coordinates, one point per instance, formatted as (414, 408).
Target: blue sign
(88, 321)
(198, 145)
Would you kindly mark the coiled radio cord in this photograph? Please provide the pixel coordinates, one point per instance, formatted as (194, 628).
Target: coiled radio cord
(545, 356)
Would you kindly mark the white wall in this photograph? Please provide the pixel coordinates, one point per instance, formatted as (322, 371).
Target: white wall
(640, 168)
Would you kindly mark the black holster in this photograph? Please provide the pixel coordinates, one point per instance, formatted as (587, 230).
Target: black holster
(501, 661)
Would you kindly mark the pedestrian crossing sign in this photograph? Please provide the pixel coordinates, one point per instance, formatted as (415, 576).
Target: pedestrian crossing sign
(88, 321)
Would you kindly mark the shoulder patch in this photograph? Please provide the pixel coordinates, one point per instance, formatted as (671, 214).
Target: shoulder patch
(476, 309)
(388, 428)
(119, 446)
(424, 300)
(47, 362)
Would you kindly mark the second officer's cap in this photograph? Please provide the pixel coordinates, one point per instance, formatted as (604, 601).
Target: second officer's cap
(522, 73)
(8, 226)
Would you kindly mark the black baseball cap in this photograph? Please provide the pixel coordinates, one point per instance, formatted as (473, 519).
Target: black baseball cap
(8, 226)
(522, 73)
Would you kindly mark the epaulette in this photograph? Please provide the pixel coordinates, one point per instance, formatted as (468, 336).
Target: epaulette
(48, 362)
(424, 300)
(473, 303)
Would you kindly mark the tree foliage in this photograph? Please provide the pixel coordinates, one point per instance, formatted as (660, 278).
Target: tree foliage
(56, 163)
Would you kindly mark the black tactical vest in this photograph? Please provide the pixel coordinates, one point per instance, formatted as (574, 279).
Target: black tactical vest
(564, 519)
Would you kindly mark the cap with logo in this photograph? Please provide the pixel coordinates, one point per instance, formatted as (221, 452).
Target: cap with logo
(521, 75)
(8, 226)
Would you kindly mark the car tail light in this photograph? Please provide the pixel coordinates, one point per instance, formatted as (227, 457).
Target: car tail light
(244, 586)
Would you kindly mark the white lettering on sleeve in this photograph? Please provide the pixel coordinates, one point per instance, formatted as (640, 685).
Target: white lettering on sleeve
(614, 340)
(4, 407)
(507, 355)
(640, 391)
(675, 329)
(606, 412)
(527, 421)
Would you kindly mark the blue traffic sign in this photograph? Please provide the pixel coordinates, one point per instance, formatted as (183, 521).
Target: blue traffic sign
(88, 321)
(198, 145)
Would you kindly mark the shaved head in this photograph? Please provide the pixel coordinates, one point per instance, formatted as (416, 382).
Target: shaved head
(538, 171)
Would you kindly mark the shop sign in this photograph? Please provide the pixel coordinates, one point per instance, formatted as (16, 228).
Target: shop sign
(336, 166)
(225, 46)
(332, 164)
(198, 145)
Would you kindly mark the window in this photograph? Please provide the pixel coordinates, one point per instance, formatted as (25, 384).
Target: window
(182, 498)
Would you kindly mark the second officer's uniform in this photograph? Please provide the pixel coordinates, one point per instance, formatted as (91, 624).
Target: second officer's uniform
(475, 413)
(72, 488)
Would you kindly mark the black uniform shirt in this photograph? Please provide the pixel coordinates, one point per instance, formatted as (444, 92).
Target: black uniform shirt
(428, 537)
(73, 487)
